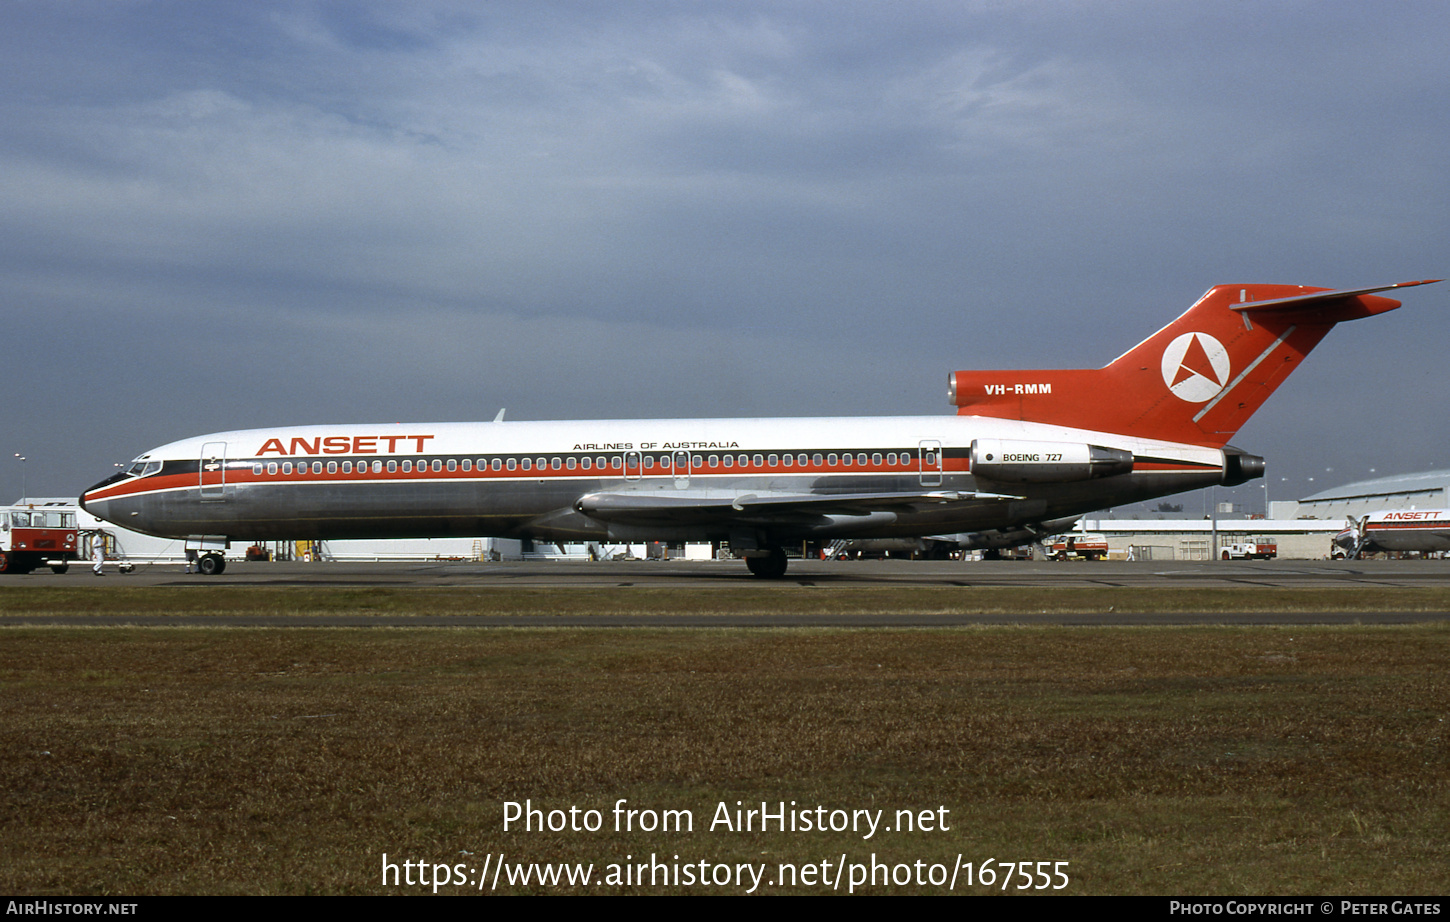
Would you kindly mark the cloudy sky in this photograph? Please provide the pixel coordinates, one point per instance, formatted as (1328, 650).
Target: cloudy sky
(226, 215)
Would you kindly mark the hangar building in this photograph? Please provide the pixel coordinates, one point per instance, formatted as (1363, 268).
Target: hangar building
(1426, 490)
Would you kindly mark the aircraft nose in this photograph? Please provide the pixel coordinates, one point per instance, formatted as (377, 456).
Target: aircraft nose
(92, 503)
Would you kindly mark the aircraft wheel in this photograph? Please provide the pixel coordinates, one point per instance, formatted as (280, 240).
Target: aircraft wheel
(59, 567)
(211, 564)
(772, 567)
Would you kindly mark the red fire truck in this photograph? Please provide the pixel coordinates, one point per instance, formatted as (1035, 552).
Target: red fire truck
(39, 534)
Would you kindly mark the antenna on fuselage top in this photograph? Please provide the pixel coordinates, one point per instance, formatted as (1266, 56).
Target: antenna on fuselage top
(499, 417)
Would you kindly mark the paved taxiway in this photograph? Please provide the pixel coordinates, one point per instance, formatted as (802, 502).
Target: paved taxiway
(731, 575)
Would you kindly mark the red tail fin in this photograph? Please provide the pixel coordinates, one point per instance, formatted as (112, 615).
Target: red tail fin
(1197, 380)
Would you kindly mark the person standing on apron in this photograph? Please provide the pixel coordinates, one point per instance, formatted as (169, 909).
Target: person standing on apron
(98, 552)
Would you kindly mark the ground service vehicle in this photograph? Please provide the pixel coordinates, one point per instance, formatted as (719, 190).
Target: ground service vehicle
(1085, 547)
(42, 534)
(1256, 549)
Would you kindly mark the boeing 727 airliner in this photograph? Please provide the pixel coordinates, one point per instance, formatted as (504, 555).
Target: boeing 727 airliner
(1422, 530)
(1027, 453)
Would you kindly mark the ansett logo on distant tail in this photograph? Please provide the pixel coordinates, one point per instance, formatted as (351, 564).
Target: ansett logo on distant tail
(1195, 367)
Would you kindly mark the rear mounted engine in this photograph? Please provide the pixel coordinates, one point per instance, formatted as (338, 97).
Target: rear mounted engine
(1240, 466)
(1023, 461)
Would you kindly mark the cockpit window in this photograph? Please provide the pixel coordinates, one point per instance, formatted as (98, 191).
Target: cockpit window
(143, 468)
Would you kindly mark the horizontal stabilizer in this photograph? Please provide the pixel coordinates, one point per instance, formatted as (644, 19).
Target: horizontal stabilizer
(1325, 298)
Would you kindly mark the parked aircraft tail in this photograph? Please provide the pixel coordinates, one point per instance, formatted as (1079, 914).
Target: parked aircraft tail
(1197, 380)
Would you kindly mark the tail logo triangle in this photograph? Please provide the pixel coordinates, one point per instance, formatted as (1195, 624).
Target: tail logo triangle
(1195, 367)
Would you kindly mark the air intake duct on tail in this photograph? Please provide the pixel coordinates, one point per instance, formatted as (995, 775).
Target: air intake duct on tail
(1023, 461)
(1240, 467)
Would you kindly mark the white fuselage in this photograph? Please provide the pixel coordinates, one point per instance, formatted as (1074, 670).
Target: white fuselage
(765, 480)
(1408, 530)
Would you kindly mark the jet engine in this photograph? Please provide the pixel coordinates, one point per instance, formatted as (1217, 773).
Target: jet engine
(1023, 461)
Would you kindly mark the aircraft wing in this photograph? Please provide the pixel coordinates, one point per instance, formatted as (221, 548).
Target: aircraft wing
(675, 509)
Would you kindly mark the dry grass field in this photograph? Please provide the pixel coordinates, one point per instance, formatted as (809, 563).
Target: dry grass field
(778, 599)
(1154, 760)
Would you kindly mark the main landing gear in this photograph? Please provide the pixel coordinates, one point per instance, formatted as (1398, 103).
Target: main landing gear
(769, 566)
(211, 564)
